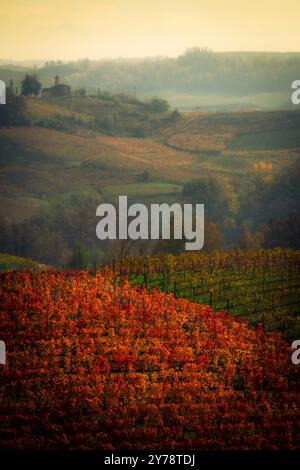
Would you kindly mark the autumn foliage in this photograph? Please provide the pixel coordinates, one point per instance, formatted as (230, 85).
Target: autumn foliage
(98, 364)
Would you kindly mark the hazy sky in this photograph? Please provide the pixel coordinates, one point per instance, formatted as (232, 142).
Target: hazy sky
(71, 29)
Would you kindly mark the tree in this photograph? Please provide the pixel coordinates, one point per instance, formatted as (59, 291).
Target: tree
(213, 239)
(145, 176)
(174, 116)
(247, 240)
(217, 194)
(78, 260)
(159, 105)
(281, 232)
(30, 86)
(81, 92)
(13, 113)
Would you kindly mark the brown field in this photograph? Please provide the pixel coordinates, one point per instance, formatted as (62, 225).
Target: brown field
(42, 109)
(125, 153)
(201, 142)
(217, 132)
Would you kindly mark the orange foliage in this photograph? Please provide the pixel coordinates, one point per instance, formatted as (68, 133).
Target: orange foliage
(263, 166)
(96, 364)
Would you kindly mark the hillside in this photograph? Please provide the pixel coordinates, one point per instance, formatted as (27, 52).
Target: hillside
(235, 145)
(112, 114)
(60, 166)
(256, 130)
(95, 364)
(11, 263)
(40, 163)
(259, 285)
(238, 144)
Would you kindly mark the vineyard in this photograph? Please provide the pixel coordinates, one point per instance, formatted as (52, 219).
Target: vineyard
(95, 363)
(262, 285)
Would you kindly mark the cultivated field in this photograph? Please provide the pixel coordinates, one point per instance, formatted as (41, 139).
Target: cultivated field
(95, 364)
(262, 286)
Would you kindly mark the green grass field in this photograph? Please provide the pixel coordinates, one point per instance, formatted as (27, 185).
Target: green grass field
(267, 140)
(10, 263)
(141, 189)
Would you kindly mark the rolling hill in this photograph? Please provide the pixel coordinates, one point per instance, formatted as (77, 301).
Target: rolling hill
(37, 162)
(94, 364)
(42, 168)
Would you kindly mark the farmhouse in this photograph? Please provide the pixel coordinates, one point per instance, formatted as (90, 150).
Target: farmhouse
(58, 89)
